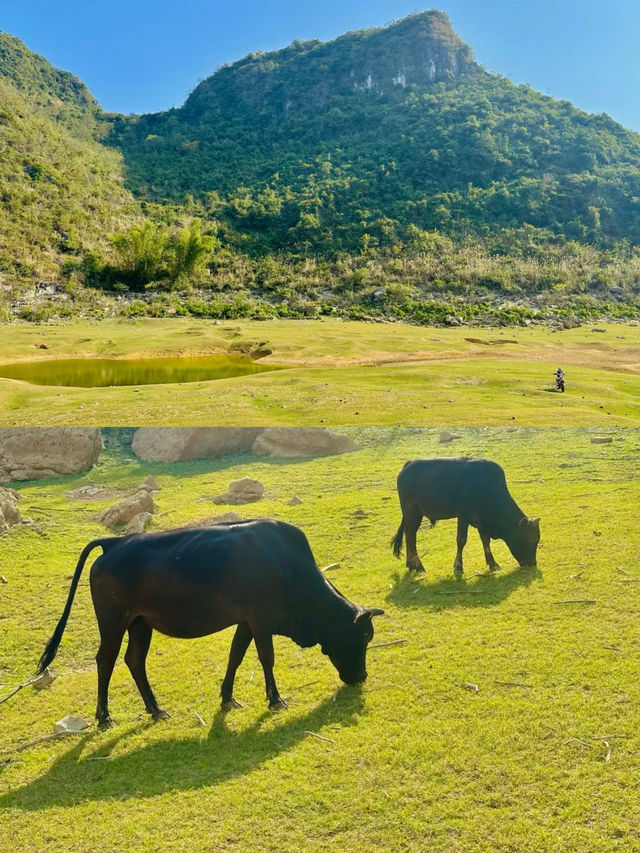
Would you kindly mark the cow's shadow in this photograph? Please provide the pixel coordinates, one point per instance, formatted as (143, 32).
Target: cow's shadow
(475, 590)
(198, 761)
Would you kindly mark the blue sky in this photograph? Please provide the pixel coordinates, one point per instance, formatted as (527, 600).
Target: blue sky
(146, 55)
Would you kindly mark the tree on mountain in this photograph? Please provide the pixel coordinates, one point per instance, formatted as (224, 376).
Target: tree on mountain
(188, 251)
(141, 253)
(150, 253)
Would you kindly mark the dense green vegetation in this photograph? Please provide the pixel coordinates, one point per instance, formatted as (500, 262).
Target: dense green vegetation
(437, 281)
(384, 175)
(543, 757)
(60, 94)
(292, 149)
(61, 191)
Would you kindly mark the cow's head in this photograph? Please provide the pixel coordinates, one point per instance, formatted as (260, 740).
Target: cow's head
(347, 644)
(523, 542)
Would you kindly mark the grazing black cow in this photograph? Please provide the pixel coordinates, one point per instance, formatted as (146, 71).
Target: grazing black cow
(475, 492)
(259, 575)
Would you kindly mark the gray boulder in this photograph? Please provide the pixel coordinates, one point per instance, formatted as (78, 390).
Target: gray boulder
(9, 512)
(34, 453)
(180, 444)
(301, 441)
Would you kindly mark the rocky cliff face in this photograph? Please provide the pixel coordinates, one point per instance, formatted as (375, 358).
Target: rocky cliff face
(418, 50)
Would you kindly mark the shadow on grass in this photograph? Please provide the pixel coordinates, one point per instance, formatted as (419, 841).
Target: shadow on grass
(483, 590)
(124, 466)
(185, 763)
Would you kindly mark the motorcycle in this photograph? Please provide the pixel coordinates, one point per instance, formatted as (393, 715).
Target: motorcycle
(559, 383)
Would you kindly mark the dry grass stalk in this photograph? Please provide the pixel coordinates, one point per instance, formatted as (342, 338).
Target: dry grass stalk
(390, 643)
(54, 736)
(320, 737)
(576, 740)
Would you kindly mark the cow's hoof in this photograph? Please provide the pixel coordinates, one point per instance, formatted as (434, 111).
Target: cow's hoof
(230, 704)
(458, 571)
(416, 568)
(494, 567)
(159, 715)
(278, 704)
(105, 724)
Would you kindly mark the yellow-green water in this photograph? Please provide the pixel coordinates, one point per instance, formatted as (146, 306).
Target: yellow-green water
(104, 372)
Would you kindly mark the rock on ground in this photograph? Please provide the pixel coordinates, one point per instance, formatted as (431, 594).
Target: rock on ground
(601, 439)
(301, 441)
(42, 682)
(179, 444)
(242, 491)
(88, 494)
(446, 436)
(138, 523)
(225, 518)
(33, 453)
(9, 512)
(70, 724)
(150, 484)
(121, 513)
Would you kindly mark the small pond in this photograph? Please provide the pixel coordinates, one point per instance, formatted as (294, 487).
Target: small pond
(103, 372)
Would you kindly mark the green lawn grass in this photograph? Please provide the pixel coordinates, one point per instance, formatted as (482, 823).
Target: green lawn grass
(339, 373)
(416, 761)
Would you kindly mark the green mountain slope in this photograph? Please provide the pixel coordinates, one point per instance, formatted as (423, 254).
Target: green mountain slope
(62, 191)
(320, 146)
(384, 174)
(60, 94)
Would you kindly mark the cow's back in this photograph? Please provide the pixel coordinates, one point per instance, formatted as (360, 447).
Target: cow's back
(243, 554)
(445, 487)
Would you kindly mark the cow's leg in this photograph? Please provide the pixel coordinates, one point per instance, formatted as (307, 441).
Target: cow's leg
(239, 645)
(264, 645)
(111, 635)
(412, 518)
(486, 544)
(461, 541)
(135, 658)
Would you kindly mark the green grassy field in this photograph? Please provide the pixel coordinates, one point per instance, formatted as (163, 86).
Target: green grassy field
(543, 757)
(339, 373)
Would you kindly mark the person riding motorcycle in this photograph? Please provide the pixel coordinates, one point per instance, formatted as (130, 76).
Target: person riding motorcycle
(559, 375)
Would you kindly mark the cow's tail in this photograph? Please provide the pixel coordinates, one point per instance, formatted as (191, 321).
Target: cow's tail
(396, 541)
(51, 648)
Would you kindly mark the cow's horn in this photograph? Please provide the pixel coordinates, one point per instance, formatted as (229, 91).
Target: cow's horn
(534, 520)
(368, 613)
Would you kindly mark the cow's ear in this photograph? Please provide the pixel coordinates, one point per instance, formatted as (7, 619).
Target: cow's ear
(534, 522)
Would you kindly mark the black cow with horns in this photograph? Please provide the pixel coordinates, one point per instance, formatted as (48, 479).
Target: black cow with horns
(259, 575)
(475, 492)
